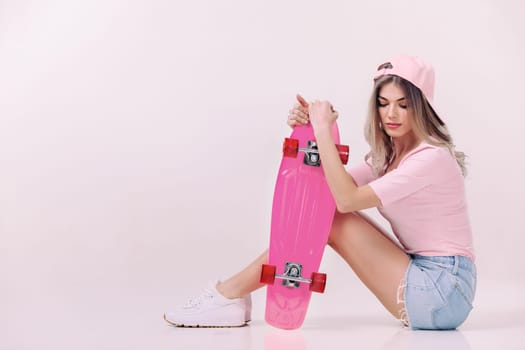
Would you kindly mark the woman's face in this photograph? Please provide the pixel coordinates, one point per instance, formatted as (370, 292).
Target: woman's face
(394, 110)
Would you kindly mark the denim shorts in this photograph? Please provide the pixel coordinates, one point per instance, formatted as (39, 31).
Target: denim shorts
(439, 291)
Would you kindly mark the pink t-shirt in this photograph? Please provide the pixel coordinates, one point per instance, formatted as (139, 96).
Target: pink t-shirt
(424, 201)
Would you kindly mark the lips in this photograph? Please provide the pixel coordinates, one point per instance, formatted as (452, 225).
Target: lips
(393, 125)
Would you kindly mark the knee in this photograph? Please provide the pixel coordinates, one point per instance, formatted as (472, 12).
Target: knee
(331, 240)
(340, 226)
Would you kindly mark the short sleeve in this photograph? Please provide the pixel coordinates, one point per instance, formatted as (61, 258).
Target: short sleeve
(362, 173)
(418, 170)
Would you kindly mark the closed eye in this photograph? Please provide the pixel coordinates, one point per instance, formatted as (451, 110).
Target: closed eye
(383, 102)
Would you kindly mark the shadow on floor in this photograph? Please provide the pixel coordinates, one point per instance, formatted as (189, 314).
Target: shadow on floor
(486, 320)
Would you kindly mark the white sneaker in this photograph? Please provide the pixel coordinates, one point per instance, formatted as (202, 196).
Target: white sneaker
(212, 309)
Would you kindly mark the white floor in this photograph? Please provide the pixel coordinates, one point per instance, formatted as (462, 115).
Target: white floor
(114, 321)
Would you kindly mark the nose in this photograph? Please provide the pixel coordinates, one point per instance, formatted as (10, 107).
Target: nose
(391, 111)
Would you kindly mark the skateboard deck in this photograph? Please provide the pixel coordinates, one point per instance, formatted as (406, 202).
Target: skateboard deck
(302, 214)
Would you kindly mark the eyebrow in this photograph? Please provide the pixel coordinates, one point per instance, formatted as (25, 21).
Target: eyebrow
(399, 99)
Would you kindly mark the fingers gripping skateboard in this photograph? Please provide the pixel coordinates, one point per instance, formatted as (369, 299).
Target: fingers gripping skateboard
(291, 149)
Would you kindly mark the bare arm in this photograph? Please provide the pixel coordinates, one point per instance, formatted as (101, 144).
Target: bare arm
(347, 195)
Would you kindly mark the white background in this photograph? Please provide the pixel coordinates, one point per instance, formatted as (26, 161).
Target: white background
(140, 140)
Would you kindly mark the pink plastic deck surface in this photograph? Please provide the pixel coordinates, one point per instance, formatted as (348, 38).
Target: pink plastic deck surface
(302, 214)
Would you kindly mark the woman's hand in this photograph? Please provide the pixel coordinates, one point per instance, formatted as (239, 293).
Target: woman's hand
(322, 115)
(298, 115)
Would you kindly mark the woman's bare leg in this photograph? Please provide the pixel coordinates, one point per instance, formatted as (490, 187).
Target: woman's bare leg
(379, 262)
(246, 281)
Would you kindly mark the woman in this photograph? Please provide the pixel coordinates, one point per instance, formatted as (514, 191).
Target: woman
(414, 176)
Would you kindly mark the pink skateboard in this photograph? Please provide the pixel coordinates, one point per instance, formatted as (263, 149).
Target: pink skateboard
(302, 214)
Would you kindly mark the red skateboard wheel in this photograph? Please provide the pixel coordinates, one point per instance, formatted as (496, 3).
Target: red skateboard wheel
(290, 147)
(344, 151)
(267, 274)
(318, 282)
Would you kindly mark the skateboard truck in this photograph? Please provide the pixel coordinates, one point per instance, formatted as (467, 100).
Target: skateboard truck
(311, 153)
(292, 277)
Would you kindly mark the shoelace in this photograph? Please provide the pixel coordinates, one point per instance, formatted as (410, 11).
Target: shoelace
(195, 302)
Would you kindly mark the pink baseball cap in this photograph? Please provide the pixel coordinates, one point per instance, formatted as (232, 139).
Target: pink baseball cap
(415, 70)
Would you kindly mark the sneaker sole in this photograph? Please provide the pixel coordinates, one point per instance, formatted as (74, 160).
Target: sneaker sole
(181, 325)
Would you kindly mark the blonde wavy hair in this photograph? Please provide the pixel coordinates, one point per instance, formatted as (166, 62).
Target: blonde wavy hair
(426, 125)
